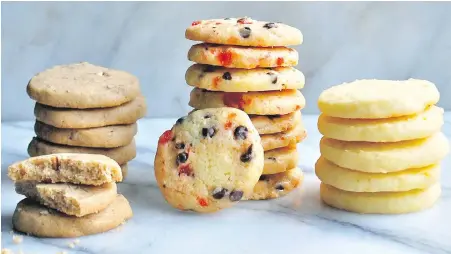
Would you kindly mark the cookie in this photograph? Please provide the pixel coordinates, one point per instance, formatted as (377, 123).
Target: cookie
(276, 185)
(242, 57)
(209, 160)
(351, 180)
(270, 124)
(243, 31)
(214, 78)
(67, 118)
(124, 169)
(32, 218)
(380, 202)
(121, 154)
(373, 99)
(102, 137)
(89, 169)
(283, 139)
(258, 103)
(385, 157)
(280, 160)
(394, 129)
(71, 199)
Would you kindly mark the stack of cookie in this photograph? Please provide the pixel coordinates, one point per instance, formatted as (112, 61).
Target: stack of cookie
(83, 108)
(245, 64)
(68, 195)
(382, 146)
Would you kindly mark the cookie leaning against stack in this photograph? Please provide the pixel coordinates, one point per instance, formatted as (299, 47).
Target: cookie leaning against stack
(83, 108)
(382, 146)
(246, 64)
(68, 195)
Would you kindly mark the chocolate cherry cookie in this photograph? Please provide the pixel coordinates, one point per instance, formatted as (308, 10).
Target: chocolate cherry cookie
(209, 160)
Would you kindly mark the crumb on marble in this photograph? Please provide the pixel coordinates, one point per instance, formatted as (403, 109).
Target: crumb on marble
(17, 239)
(71, 245)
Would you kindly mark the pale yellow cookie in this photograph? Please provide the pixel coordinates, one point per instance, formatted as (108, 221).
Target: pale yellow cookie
(280, 160)
(243, 31)
(385, 157)
(76, 200)
(242, 57)
(258, 103)
(215, 78)
(356, 181)
(380, 202)
(276, 185)
(378, 98)
(283, 139)
(102, 137)
(271, 124)
(32, 218)
(89, 169)
(394, 129)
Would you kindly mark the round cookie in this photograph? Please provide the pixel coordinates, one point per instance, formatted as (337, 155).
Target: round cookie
(351, 180)
(276, 185)
(394, 129)
(209, 160)
(83, 85)
(283, 139)
(126, 113)
(280, 160)
(380, 202)
(34, 219)
(258, 103)
(102, 137)
(242, 57)
(271, 124)
(385, 157)
(215, 78)
(121, 154)
(244, 32)
(373, 99)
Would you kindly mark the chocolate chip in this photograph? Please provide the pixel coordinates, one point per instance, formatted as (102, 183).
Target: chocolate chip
(179, 145)
(227, 76)
(181, 158)
(236, 195)
(269, 25)
(207, 116)
(240, 132)
(273, 77)
(263, 178)
(209, 68)
(245, 32)
(180, 120)
(247, 156)
(279, 187)
(271, 158)
(219, 192)
(208, 132)
(227, 19)
(164, 185)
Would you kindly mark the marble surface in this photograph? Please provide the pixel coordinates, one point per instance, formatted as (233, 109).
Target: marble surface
(343, 41)
(297, 223)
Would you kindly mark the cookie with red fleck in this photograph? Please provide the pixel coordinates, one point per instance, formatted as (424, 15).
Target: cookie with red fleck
(244, 31)
(270, 124)
(242, 57)
(283, 139)
(280, 160)
(209, 160)
(215, 78)
(258, 103)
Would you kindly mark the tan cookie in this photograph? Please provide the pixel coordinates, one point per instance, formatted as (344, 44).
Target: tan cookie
(258, 103)
(83, 85)
(121, 154)
(280, 160)
(276, 185)
(126, 113)
(103, 137)
(242, 57)
(214, 78)
(32, 218)
(89, 169)
(209, 160)
(243, 31)
(271, 124)
(283, 139)
(71, 199)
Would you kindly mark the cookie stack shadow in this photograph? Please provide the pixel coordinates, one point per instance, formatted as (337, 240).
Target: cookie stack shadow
(382, 146)
(246, 64)
(83, 108)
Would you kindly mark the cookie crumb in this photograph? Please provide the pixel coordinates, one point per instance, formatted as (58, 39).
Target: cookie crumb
(76, 241)
(71, 245)
(17, 239)
(45, 212)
